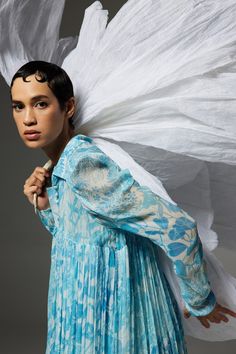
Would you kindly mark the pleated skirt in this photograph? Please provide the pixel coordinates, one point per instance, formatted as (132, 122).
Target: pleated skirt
(108, 300)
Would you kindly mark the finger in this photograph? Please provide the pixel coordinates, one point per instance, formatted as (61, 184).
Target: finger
(219, 315)
(40, 169)
(186, 313)
(223, 318)
(215, 319)
(209, 317)
(32, 190)
(204, 322)
(40, 176)
(41, 172)
(34, 181)
(37, 176)
(226, 310)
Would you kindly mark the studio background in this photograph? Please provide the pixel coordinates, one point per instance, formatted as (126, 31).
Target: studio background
(26, 245)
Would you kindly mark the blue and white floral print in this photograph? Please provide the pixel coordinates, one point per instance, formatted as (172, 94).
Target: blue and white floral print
(107, 293)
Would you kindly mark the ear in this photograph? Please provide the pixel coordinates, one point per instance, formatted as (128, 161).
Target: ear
(70, 107)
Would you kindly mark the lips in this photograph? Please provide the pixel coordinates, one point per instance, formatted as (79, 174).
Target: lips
(32, 136)
(31, 132)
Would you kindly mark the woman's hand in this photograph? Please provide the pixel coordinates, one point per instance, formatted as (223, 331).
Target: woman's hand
(216, 316)
(36, 183)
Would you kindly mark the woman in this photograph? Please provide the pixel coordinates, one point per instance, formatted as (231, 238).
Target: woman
(107, 292)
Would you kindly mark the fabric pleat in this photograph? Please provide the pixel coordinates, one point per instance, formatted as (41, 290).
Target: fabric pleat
(106, 300)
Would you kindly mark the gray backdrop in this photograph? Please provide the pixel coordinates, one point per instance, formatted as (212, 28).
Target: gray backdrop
(25, 244)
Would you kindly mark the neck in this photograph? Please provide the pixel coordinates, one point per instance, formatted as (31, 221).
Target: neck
(54, 150)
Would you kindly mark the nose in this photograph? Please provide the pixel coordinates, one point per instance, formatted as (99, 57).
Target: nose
(29, 116)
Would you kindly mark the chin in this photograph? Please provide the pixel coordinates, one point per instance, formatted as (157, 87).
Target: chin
(33, 144)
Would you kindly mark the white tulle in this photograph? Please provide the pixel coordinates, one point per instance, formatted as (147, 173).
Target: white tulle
(156, 89)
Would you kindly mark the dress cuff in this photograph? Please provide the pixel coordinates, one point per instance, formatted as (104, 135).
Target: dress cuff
(47, 218)
(203, 310)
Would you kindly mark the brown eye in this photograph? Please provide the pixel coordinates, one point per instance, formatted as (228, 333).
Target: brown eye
(17, 106)
(41, 104)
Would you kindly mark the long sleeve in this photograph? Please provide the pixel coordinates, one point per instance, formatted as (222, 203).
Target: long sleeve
(47, 219)
(120, 202)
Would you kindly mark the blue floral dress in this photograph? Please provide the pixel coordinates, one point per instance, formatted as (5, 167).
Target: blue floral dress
(107, 293)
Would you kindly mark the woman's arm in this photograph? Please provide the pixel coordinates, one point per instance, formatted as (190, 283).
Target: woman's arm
(120, 202)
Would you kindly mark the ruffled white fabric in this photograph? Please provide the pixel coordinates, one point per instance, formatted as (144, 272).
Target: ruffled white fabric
(30, 31)
(156, 91)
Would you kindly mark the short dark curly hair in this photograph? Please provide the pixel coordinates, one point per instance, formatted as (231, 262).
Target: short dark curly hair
(56, 77)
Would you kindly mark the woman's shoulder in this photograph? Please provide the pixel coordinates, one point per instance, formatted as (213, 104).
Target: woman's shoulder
(77, 141)
(80, 152)
(81, 148)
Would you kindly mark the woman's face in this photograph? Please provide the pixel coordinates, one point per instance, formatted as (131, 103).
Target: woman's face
(35, 107)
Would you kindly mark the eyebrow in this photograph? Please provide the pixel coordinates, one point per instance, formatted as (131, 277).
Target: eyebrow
(35, 98)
